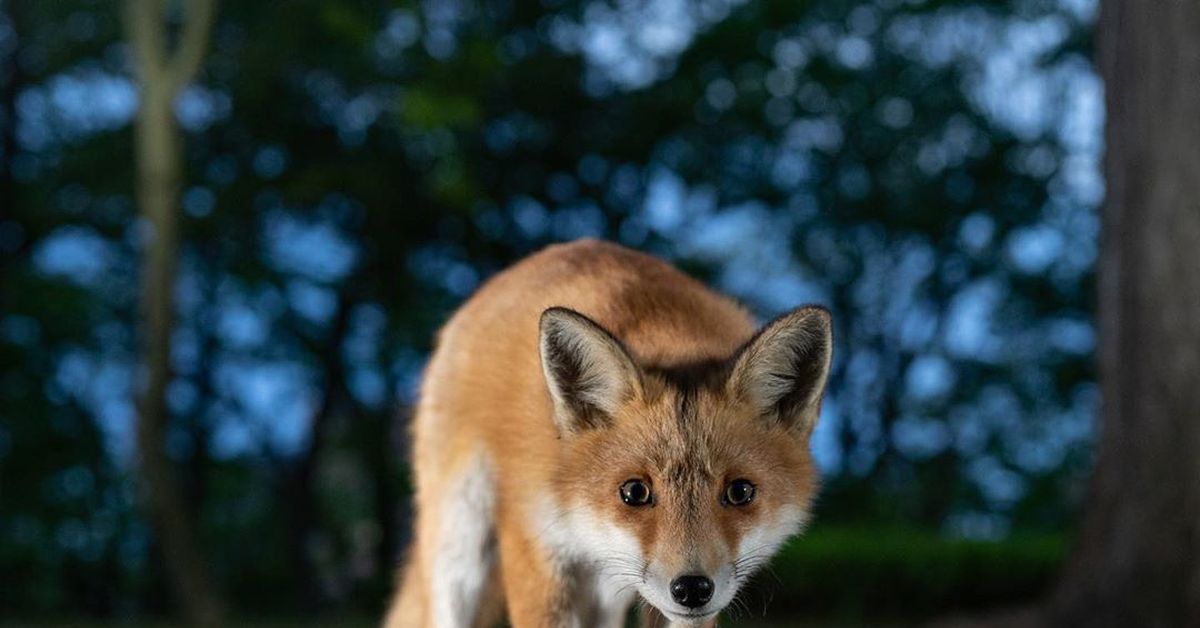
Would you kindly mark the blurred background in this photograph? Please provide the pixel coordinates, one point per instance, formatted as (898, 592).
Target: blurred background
(348, 172)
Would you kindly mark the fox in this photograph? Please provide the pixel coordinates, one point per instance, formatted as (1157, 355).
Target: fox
(594, 429)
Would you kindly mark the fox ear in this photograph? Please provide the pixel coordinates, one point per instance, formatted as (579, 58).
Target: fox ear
(587, 370)
(782, 370)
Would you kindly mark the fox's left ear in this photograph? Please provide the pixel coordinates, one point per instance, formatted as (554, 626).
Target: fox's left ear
(588, 372)
(782, 371)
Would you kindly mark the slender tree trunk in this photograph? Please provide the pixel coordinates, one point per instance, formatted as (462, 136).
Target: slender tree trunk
(1137, 562)
(299, 494)
(159, 159)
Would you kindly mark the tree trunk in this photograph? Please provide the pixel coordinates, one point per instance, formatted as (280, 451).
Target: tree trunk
(159, 159)
(299, 494)
(1137, 562)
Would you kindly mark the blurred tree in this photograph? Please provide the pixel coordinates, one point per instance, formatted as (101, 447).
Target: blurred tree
(162, 74)
(1137, 560)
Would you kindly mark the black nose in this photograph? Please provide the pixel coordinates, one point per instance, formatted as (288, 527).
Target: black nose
(692, 591)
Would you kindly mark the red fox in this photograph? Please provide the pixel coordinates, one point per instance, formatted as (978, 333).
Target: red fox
(595, 426)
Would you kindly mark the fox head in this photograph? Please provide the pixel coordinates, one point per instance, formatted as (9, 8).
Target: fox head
(679, 481)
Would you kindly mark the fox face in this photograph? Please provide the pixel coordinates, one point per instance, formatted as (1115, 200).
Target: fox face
(679, 481)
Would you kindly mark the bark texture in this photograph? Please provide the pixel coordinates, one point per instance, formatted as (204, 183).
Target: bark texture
(1137, 562)
(159, 162)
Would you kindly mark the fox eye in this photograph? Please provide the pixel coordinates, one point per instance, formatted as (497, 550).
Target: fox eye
(635, 493)
(739, 493)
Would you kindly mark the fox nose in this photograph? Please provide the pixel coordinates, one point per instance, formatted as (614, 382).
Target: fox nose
(692, 591)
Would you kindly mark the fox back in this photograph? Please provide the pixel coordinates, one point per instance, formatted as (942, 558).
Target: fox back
(595, 425)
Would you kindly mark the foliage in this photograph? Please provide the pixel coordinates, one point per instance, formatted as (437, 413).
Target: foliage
(879, 572)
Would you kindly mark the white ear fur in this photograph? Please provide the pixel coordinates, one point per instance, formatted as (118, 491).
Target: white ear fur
(588, 372)
(783, 370)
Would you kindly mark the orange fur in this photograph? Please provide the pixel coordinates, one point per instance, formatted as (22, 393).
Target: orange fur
(684, 424)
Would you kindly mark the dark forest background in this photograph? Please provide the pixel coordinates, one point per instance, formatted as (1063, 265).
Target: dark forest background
(928, 169)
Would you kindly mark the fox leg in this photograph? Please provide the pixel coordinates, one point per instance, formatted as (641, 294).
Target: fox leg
(542, 592)
(535, 591)
(463, 557)
(449, 580)
(409, 607)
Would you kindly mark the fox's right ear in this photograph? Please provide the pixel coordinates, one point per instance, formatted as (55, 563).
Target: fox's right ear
(587, 370)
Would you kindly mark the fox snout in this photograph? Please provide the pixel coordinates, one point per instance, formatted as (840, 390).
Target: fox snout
(692, 591)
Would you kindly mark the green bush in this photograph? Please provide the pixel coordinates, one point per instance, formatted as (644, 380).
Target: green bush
(856, 573)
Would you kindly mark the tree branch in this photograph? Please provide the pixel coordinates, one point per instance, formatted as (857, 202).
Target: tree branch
(144, 20)
(158, 67)
(193, 42)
